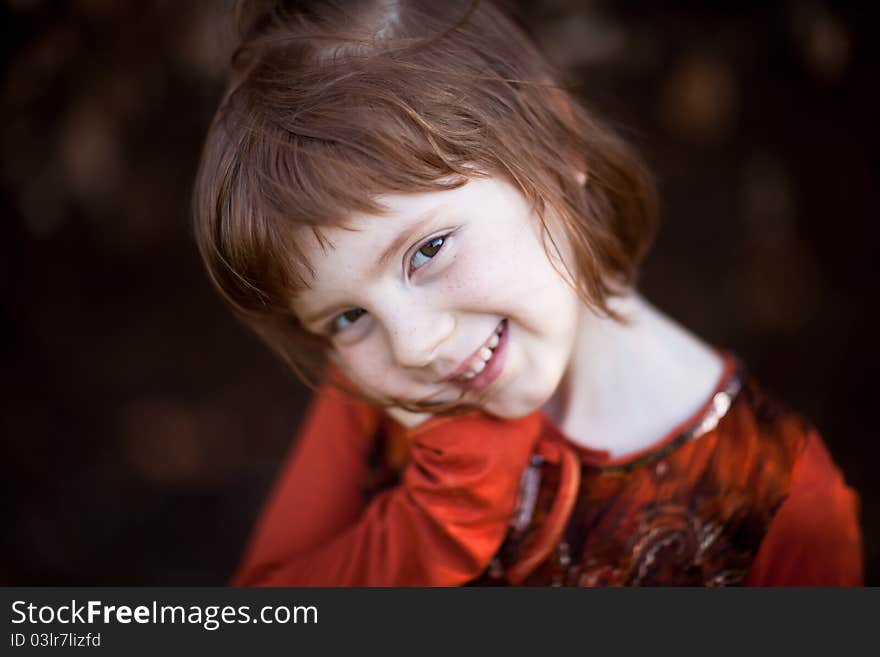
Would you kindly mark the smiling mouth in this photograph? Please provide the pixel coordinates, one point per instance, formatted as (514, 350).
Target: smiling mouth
(477, 363)
(484, 366)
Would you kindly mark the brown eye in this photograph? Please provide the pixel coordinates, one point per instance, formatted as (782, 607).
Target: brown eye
(426, 252)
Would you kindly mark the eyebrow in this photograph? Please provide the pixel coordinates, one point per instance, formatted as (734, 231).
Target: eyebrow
(402, 239)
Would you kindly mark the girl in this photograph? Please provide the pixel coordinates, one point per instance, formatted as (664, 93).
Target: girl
(402, 201)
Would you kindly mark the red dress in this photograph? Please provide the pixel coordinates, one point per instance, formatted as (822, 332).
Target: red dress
(744, 492)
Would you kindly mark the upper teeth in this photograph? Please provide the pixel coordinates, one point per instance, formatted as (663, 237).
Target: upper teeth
(483, 355)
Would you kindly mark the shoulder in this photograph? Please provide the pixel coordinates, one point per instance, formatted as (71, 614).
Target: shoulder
(764, 473)
(744, 447)
(812, 533)
(814, 538)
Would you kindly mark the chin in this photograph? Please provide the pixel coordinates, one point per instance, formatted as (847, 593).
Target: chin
(512, 409)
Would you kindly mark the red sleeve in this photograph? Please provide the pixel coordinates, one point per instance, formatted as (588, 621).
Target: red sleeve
(318, 491)
(814, 539)
(439, 527)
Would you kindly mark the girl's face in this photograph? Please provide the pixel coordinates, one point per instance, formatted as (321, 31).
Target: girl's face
(451, 292)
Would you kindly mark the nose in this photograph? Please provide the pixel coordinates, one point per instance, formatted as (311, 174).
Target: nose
(415, 334)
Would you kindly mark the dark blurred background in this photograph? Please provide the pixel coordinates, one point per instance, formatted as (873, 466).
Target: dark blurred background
(142, 426)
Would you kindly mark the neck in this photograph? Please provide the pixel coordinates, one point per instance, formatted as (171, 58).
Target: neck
(629, 384)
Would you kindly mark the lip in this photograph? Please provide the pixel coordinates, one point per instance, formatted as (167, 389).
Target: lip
(493, 368)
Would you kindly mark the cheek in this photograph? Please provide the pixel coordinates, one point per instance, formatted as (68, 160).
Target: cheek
(523, 286)
(545, 359)
(514, 272)
(369, 366)
(363, 363)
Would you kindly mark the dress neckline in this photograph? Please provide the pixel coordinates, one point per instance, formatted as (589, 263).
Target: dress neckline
(702, 421)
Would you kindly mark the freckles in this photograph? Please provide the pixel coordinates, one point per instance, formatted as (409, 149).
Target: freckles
(469, 282)
(458, 274)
